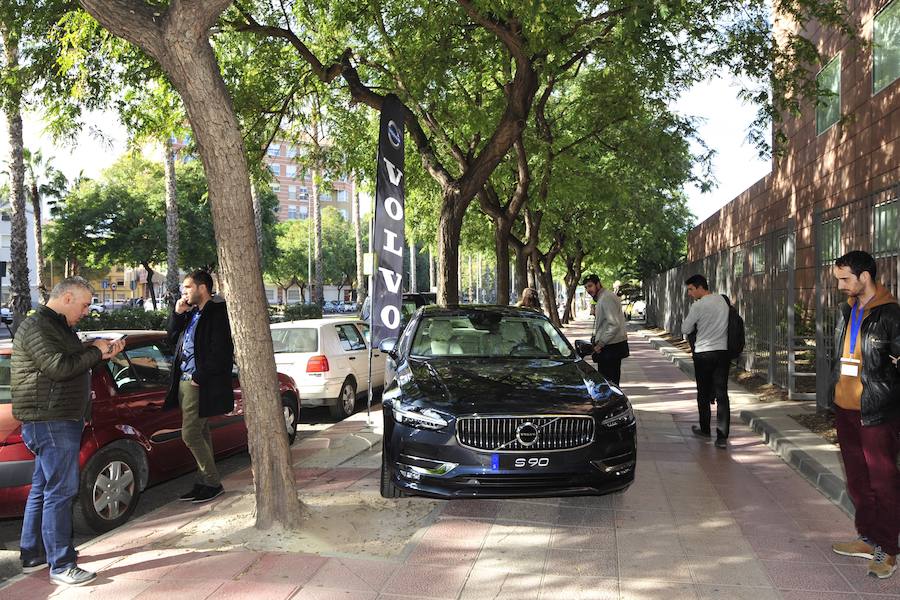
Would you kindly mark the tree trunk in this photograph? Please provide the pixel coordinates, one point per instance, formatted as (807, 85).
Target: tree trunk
(357, 237)
(544, 274)
(521, 274)
(172, 274)
(501, 250)
(43, 285)
(257, 219)
(180, 41)
(449, 233)
(20, 288)
(318, 289)
(430, 270)
(412, 268)
(150, 285)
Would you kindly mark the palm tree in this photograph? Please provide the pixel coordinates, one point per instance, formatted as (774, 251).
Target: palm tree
(43, 181)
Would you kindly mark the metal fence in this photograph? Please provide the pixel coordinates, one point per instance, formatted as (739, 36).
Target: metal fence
(789, 343)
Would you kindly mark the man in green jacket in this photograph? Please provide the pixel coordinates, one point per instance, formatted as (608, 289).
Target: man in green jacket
(51, 384)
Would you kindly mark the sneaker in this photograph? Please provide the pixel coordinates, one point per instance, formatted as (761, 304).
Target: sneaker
(859, 548)
(721, 443)
(697, 431)
(187, 497)
(34, 564)
(882, 564)
(207, 493)
(73, 576)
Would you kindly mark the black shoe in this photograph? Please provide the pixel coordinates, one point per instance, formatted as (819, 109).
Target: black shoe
(721, 443)
(191, 494)
(207, 493)
(699, 432)
(34, 564)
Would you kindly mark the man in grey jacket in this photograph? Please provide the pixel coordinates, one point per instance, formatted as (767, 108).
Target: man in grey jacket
(708, 318)
(50, 386)
(609, 339)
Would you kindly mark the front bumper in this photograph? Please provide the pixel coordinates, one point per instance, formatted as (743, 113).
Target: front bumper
(433, 464)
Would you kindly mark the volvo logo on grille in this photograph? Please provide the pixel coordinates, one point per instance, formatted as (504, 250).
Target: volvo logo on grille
(527, 434)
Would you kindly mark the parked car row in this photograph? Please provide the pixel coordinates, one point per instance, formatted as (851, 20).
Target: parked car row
(336, 307)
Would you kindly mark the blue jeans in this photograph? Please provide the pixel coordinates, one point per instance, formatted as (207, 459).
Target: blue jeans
(47, 526)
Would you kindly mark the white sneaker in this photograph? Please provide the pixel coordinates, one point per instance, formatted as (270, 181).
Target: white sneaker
(74, 576)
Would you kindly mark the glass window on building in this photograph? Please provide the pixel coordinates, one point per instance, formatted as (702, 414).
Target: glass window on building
(276, 169)
(830, 249)
(271, 294)
(886, 47)
(293, 295)
(292, 212)
(275, 150)
(292, 192)
(342, 195)
(304, 193)
(887, 228)
(343, 212)
(304, 212)
(276, 187)
(758, 259)
(4, 240)
(291, 171)
(291, 151)
(828, 106)
(785, 252)
(738, 262)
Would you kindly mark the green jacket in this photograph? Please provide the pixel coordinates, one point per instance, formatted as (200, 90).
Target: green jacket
(50, 370)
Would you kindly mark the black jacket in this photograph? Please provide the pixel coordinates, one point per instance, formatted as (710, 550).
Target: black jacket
(50, 370)
(880, 375)
(213, 357)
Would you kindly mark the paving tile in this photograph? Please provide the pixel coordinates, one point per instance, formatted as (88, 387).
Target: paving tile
(181, 589)
(151, 565)
(426, 581)
(533, 513)
(314, 593)
(723, 592)
(501, 585)
(481, 509)
(581, 563)
(586, 517)
(661, 567)
(715, 544)
(649, 589)
(729, 570)
(353, 574)
(806, 576)
(787, 548)
(797, 595)
(282, 567)
(646, 520)
(579, 588)
(583, 538)
(242, 590)
(101, 589)
(214, 565)
(860, 581)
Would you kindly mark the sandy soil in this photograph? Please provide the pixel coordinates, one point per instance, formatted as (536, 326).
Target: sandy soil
(336, 523)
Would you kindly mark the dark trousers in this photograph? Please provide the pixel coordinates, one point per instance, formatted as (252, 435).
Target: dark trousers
(610, 368)
(711, 372)
(873, 481)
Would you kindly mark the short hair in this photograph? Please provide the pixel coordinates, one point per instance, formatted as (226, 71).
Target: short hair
(859, 262)
(202, 277)
(698, 281)
(70, 284)
(591, 279)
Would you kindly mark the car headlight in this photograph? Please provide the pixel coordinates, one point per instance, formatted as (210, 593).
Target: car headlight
(623, 417)
(419, 418)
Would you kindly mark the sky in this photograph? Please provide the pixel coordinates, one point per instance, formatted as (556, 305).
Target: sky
(723, 127)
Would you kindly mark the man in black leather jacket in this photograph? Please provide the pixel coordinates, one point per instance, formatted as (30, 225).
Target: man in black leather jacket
(866, 404)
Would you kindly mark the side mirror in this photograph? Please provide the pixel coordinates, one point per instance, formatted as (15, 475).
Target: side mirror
(583, 348)
(389, 347)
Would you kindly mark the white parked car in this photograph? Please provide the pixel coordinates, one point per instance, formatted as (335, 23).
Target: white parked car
(639, 310)
(329, 361)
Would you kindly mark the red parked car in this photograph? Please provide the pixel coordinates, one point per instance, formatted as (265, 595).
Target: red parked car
(130, 441)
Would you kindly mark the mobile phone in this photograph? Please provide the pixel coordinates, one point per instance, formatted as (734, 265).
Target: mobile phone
(120, 337)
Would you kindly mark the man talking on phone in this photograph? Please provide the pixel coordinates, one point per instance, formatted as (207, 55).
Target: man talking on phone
(201, 375)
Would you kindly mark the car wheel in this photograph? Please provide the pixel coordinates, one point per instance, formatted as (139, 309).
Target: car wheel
(108, 493)
(346, 401)
(289, 408)
(389, 489)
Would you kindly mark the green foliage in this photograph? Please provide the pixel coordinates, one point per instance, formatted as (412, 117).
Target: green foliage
(296, 312)
(126, 318)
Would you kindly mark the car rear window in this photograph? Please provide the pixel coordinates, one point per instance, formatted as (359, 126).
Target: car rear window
(295, 339)
(5, 394)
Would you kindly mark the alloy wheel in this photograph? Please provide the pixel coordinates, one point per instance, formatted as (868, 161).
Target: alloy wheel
(113, 490)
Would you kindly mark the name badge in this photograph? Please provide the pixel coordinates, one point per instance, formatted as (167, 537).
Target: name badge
(850, 367)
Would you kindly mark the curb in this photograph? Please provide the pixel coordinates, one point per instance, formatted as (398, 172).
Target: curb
(827, 482)
(830, 484)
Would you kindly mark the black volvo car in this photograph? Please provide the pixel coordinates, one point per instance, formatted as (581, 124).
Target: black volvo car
(493, 401)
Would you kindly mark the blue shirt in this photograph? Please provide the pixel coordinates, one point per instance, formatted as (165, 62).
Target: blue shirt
(187, 346)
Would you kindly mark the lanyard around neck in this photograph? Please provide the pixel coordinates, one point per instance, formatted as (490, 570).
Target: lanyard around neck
(856, 319)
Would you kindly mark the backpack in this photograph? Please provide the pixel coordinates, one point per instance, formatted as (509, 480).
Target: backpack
(736, 338)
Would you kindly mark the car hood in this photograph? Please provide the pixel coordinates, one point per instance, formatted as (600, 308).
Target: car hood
(465, 386)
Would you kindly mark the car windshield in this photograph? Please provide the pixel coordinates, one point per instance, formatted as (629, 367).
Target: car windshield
(483, 334)
(295, 339)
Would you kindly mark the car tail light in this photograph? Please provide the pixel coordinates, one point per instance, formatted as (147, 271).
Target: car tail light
(317, 364)
(15, 437)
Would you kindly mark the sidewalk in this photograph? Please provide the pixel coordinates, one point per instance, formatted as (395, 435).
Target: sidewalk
(698, 523)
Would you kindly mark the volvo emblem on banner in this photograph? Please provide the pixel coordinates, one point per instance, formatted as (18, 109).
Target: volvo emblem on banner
(388, 236)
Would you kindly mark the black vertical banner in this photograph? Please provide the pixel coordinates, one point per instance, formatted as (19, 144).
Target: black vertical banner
(389, 239)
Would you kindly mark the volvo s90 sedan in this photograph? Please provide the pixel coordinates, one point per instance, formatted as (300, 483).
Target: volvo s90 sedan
(494, 402)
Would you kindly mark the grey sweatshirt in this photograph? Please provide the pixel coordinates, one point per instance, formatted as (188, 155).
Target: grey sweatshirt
(609, 320)
(710, 315)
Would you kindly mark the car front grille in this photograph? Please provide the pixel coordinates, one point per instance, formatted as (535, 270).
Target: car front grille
(525, 433)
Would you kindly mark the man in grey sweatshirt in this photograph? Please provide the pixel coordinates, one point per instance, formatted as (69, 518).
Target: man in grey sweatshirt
(609, 339)
(708, 318)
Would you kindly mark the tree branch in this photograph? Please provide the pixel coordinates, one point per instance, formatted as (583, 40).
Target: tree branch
(133, 20)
